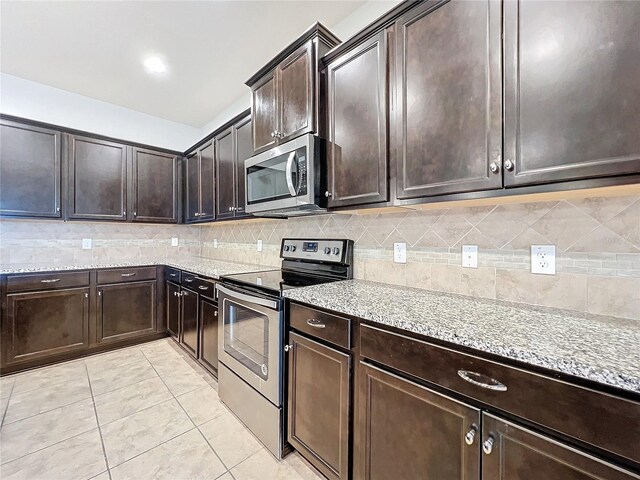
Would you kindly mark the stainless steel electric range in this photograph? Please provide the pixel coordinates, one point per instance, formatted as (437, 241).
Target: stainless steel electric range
(251, 331)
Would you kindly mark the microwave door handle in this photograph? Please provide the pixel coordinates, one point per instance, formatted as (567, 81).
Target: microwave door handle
(289, 174)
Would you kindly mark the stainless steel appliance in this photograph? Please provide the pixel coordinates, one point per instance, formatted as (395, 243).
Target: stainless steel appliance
(286, 180)
(251, 331)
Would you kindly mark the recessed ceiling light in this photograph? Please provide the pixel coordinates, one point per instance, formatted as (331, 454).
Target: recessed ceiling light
(155, 65)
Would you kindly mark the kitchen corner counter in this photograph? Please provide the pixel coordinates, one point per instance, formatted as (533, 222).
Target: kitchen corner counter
(200, 266)
(602, 349)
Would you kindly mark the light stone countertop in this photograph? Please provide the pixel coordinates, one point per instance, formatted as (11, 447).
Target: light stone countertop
(198, 265)
(602, 349)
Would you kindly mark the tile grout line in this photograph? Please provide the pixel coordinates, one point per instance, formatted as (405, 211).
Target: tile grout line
(95, 411)
(46, 411)
(6, 409)
(185, 412)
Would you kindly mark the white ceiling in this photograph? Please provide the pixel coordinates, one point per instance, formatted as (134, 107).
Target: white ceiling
(211, 48)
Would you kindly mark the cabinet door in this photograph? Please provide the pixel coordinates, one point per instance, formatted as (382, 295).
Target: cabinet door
(209, 335)
(225, 165)
(407, 431)
(189, 321)
(97, 179)
(572, 95)
(207, 183)
(126, 310)
(519, 454)
(264, 114)
(295, 77)
(29, 171)
(192, 187)
(154, 186)
(243, 150)
(45, 323)
(448, 81)
(319, 390)
(358, 126)
(173, 309)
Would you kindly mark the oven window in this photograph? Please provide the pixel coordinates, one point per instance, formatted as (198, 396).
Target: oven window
(246, 337)
(267, 181)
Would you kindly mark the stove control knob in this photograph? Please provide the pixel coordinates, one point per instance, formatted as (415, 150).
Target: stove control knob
(286, 248)
(327, 250)
(336, 250)
(293, 248)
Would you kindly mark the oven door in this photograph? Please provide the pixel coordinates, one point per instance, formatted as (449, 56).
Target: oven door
(250, 340)
(279, 178)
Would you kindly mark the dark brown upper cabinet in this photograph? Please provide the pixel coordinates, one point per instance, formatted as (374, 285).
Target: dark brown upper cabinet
(154, 186)
(448, 81)
(97, 179)
(572, 95)
(29, 170)
(358, 125)
(233, 147)
(285, 93)
(200, 184)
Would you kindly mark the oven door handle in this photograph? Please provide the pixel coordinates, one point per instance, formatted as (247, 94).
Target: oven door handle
(289, 174)
(247, 298)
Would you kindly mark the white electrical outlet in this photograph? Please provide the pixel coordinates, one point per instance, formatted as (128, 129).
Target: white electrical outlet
(543, 259)
(86, 244)
(174, 241)
(215, 243)
(470, 256)
(400, 252)
(259, 245)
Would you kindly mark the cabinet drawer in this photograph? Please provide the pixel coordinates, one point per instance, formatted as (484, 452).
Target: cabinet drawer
(45, 281)
(596, 418)
(333, 329)
(188, 279)
(126, 275)
(173, 274)
(206, 288)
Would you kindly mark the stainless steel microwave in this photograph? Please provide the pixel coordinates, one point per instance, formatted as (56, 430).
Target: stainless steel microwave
(286, 180)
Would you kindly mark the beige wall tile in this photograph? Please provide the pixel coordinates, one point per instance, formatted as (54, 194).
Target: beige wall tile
(385, 271)
(614, 296)
(446, 278)
(418, 275)
(603, 240)
(516, 286)
(478, 282)
(563, 290)
(564, 225)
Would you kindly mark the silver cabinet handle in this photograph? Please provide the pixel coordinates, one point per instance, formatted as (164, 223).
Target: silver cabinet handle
(312, 322)
(487, 445)
(135, 214)
(188, 280)
(239, 209)
(215, 314)
(273, 134)
(202, 214)
(471, 435)
(493, 166)
(124, 213)
(57, 209)
(197, 214)
(482, 381)
(203, 287)
(86, 295)
(508, 165)
(52, 280)
(173, 274)
(132, 274)
(327, 194)
(288, 348)
(99, 293)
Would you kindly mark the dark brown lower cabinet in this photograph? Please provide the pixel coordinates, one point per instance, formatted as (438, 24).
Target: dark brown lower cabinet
(173, 309)
(189, 321)
(209, 335)
(45, 323)
(319, 392)
(406, 431)
(516, 453)
(126, 310)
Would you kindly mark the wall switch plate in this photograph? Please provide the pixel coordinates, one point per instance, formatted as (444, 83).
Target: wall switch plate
(174, 241)
(259, 245)
(400, 252)
(215, 243)
(470, 256)
(86, 244)
(543, 259)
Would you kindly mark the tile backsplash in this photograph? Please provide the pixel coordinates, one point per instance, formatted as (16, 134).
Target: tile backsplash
(597, 248)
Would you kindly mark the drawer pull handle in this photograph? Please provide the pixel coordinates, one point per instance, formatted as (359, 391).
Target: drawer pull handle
(203, 287)
(471, 435)
(487, 445)
(52, 280)
(482, 381)
(128, 274)
(312, 322)
(173, 274)
(188, 280)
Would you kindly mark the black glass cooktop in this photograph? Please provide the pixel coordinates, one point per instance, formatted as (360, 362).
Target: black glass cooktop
(276, 280)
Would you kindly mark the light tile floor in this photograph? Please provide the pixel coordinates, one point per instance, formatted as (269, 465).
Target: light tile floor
(143, 412)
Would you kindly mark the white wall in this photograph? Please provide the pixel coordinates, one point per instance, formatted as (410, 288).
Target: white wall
(32, 100)
(360, 18)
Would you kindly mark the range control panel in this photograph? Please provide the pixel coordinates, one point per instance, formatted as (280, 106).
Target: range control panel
(314, 250)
